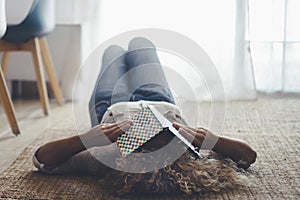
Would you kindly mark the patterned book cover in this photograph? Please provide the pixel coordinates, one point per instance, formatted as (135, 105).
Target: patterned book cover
(145, 126)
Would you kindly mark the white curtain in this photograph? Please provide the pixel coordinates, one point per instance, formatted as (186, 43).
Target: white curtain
(275, 44)
(211, 24)
(253, 43)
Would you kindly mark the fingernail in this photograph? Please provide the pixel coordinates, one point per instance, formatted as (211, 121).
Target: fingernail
(128, 121)
(126, 127)
(180, 130)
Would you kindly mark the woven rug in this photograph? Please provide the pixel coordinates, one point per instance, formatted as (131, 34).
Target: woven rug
(270, 125)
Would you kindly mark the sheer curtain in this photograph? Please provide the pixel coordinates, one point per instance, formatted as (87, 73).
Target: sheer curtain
(275, 44)
(253, 43)
(212, 24)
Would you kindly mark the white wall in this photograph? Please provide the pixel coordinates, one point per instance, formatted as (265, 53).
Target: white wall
(70, 43)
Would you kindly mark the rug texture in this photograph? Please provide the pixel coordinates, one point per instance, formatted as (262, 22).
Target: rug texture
(270, 125)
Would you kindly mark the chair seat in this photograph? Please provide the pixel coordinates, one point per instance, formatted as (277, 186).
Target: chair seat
(21, 34)
(39, 22)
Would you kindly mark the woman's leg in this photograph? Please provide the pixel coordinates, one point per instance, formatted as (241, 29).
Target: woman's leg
(109, 80)
(147, 79)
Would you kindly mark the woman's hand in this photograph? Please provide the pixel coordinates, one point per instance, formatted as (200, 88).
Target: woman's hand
(238, 150)
(197, 135)
(113, 131)
(104, 134)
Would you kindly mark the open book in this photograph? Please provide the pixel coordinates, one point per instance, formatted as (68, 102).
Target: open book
(145, 126)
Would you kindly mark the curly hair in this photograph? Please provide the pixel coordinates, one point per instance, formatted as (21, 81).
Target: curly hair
(186, 175)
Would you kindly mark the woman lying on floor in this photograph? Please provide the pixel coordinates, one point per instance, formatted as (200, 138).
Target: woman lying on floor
(110, 113)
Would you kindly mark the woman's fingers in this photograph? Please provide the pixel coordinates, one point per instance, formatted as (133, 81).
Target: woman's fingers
(198, 130)
(112, 127)
(119, 131)
(195, 136)
(201, 131)
(109, 126)
(190, 136)
(112, 131)
(178, 126)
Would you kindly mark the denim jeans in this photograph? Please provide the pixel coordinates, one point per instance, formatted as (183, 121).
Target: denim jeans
(132, 75)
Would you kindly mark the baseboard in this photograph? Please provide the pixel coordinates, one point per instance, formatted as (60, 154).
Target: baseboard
(22, 89)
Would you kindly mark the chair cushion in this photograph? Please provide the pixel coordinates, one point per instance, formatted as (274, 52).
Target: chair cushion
(21, 34)
(39, 22)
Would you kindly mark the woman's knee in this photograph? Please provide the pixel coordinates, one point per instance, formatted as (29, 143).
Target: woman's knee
(140, 42)
(112, 52)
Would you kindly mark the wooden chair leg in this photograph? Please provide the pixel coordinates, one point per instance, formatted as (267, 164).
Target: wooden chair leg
(5, 58)
(35, 50)
(50, 70)
(7, 105)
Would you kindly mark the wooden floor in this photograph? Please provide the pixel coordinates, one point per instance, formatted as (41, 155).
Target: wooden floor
(32, 123)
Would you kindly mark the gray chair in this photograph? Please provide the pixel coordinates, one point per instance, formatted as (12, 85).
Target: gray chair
(29, 35)
(4, 95)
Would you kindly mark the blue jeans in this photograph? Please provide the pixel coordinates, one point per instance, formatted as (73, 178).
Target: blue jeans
(131, 75)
